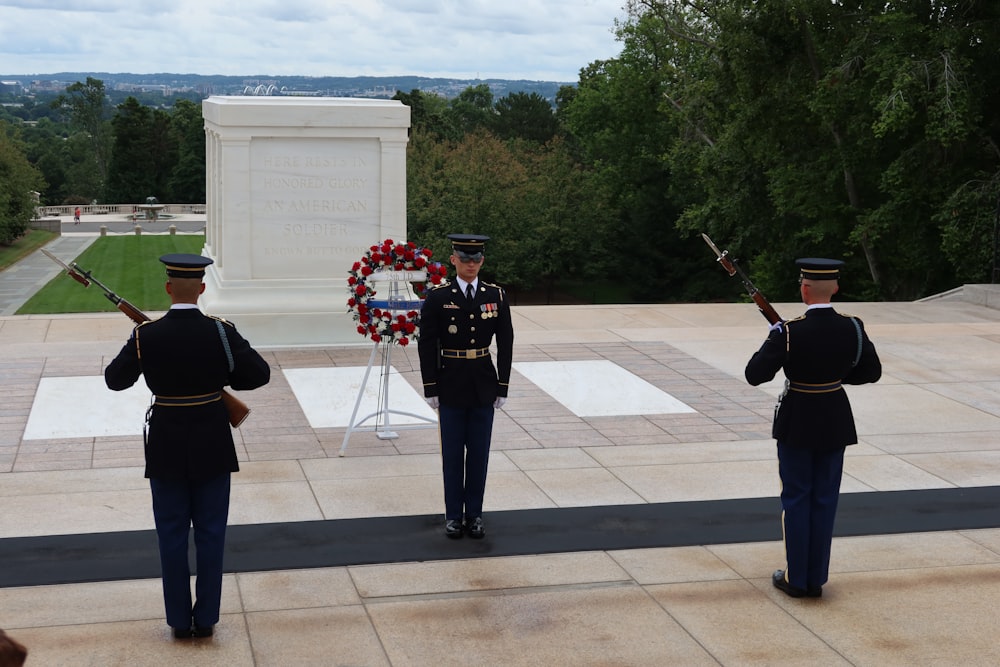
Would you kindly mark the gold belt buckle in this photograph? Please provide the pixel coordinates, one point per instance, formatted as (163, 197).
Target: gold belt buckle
(470, 354)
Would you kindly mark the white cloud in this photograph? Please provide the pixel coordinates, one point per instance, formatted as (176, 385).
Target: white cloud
(526, 39)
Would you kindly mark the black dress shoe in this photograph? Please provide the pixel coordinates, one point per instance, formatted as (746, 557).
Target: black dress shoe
(475, 528)
(206, 631)
(182, 633)
(453, 528)
(778, 579)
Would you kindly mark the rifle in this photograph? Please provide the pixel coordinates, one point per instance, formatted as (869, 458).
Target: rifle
(732, 268)
(237, 409)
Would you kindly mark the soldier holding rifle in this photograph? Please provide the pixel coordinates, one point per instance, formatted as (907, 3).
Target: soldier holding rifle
(187, 358)
(819, 352)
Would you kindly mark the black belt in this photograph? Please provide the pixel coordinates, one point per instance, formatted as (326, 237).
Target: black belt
(475, 353)
(188, 401)
(809, 388)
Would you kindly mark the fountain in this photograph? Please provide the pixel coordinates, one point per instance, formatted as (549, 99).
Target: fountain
(151, 209)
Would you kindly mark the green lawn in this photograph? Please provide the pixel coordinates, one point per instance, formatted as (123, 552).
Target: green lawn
(31, 241)
(128, 265)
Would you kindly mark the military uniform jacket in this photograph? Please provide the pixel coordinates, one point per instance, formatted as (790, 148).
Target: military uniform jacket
(448, 321)
(817, 352)
(182, 355)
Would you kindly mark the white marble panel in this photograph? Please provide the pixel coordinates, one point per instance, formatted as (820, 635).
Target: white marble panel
(599, 388)
(327, 396)
(84, 407)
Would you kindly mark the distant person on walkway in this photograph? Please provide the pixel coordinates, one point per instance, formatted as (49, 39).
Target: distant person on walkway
(458, 322)
(813, 423)
(187, 358)
(12, 653)
(76, 216)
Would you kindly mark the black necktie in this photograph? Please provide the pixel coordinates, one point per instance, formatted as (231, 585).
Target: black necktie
(468, 292)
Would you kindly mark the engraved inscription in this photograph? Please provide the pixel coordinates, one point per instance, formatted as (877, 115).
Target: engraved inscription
(316, 203)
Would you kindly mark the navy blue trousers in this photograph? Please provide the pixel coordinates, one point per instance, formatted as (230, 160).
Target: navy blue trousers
(810, 489)
(465, 455)
(178, 505)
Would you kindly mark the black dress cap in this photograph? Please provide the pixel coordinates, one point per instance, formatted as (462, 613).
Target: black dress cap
(469, 246)
(185, 265)
(817, 268)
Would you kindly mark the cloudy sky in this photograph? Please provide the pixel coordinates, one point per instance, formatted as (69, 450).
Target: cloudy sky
(548, 40)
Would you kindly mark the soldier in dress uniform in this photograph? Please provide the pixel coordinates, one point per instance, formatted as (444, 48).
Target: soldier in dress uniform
(187, 358)
(458, 321)
(820, 352)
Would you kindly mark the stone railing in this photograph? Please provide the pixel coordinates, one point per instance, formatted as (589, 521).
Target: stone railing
(116, 209)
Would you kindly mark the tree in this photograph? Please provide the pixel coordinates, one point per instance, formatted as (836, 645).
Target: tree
(18, 180)
(525, 116)
(89, 113)
(145, 154)
(471, 110)
(835, 128)
(130, 180)
(187, 177)
(428, 113)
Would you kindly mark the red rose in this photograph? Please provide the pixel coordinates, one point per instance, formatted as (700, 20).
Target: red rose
(361, 330)
(352, 302)
(366, 271)
(357, 265)
(403, 341)
(376, 338)
(360, 290)
(376, 258)
(352, 281)
(419, 262)
(410, 327)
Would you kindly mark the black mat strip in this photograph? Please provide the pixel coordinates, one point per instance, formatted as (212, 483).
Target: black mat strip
(59, 559)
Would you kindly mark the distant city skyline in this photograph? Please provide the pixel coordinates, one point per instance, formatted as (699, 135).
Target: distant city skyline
(536, 40)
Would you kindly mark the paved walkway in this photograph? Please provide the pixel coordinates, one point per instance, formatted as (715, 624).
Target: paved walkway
(642, 539)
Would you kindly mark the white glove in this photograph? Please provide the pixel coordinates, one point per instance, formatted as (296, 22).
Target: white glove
(776, 326)
(433, 402)
(497, 404)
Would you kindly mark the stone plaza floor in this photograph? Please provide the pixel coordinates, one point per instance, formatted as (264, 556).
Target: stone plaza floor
(631, 507)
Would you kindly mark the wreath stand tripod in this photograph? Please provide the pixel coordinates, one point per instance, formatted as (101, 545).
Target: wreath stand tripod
(383, 426)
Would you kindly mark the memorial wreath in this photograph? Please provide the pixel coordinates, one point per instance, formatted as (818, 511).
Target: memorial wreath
(384, 322)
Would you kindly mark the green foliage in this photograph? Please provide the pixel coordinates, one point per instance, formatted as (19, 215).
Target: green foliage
(89, 114)
(18, 179)
(145, 152)
(471, 110)
(525, 116)
(544, 212)
(128, 265)
(843, 129)
(186, 184)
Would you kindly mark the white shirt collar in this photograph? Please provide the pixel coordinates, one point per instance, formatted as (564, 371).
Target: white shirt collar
(820, 305)
(184, 306)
